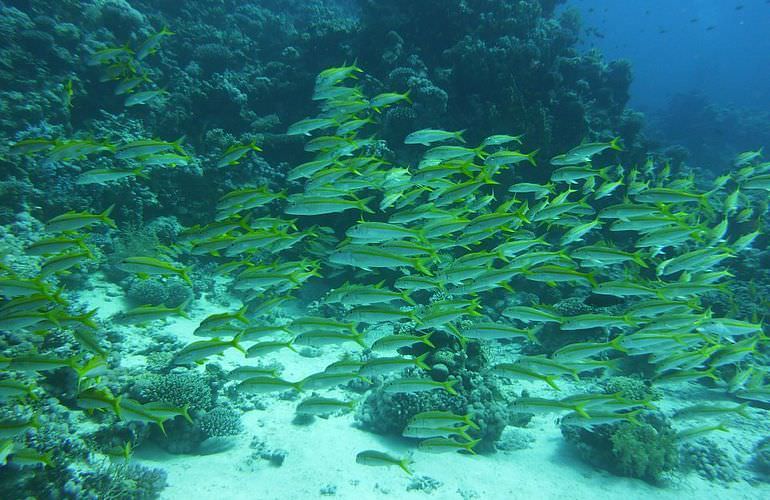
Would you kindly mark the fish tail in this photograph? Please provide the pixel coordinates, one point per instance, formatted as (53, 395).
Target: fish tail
(362, 205)
(105, 217)
(419, 361)
(615, 144)
(470, 445)
(474, 425)
(186, 414)
(449, 386)
(531, 157)
(186, 277)
(551, 381)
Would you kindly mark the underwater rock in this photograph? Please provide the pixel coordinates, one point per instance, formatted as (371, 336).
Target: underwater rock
(646, 451)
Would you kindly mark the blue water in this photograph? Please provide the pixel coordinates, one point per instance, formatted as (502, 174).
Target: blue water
(719, 48)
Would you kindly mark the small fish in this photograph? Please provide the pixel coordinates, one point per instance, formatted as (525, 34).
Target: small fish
(146, 147)
(30, 456)
(395, 342)
(150, 266)
(428, 136)
(418, 385)
(500, 139)
(380, 366)
(235, 153)
(382, 101)
(706, 410)
(146, 313)
(32, 146)
(143, 97)
(10, 428)
(324, 406)
(72, 221)
(132, 410)
(202, 349)
(104, 175)
(308, 125)
(61, 263)
(517, 371)
(697, 432)
(494, 331)
(264, 385)
(245, 372)
(444, 445)
(314, 205)
(12, 389)
(442, 419)
(98, 399)
(600, 418)
(584, 152)
(151, 44)
(379, 459)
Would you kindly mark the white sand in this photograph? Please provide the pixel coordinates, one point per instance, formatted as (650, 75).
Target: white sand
(322, 454)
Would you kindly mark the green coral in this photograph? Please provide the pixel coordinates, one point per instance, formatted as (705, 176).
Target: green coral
(633, 388)
(188, 390)
(646, 451)
(643, 451)
(220, 421)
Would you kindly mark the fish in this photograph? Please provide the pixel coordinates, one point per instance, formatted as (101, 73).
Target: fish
(607, 255)
(418, 385)
(202, 349)
(132, 410)
(494, 331)
(518, 371)
(529, 314)
(144, 97)
(443, 445)
(397, 341)
(143, 148)
(319, 338)
(380, 366)
(30, 456)
(150, 266)
(584, 152)
(308, 125)
(61, 263)
(379, 459)
(367, 257)
(72, 221)
(326, 380)
(437, 418)
(32, 146)
(266, 384)
(315, 205)
(581, 350)
(244, 372)
(14, 389)
(151, 43)
(414, 431)
(500, 139)
(600, 418)
(386, 99)
(12, 427)
(105, 175)
(324, 406)
(428, 136)
(146, 313)
(708, 410)
(235, 153)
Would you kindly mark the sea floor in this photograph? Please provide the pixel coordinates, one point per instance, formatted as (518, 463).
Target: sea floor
(320, 456)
